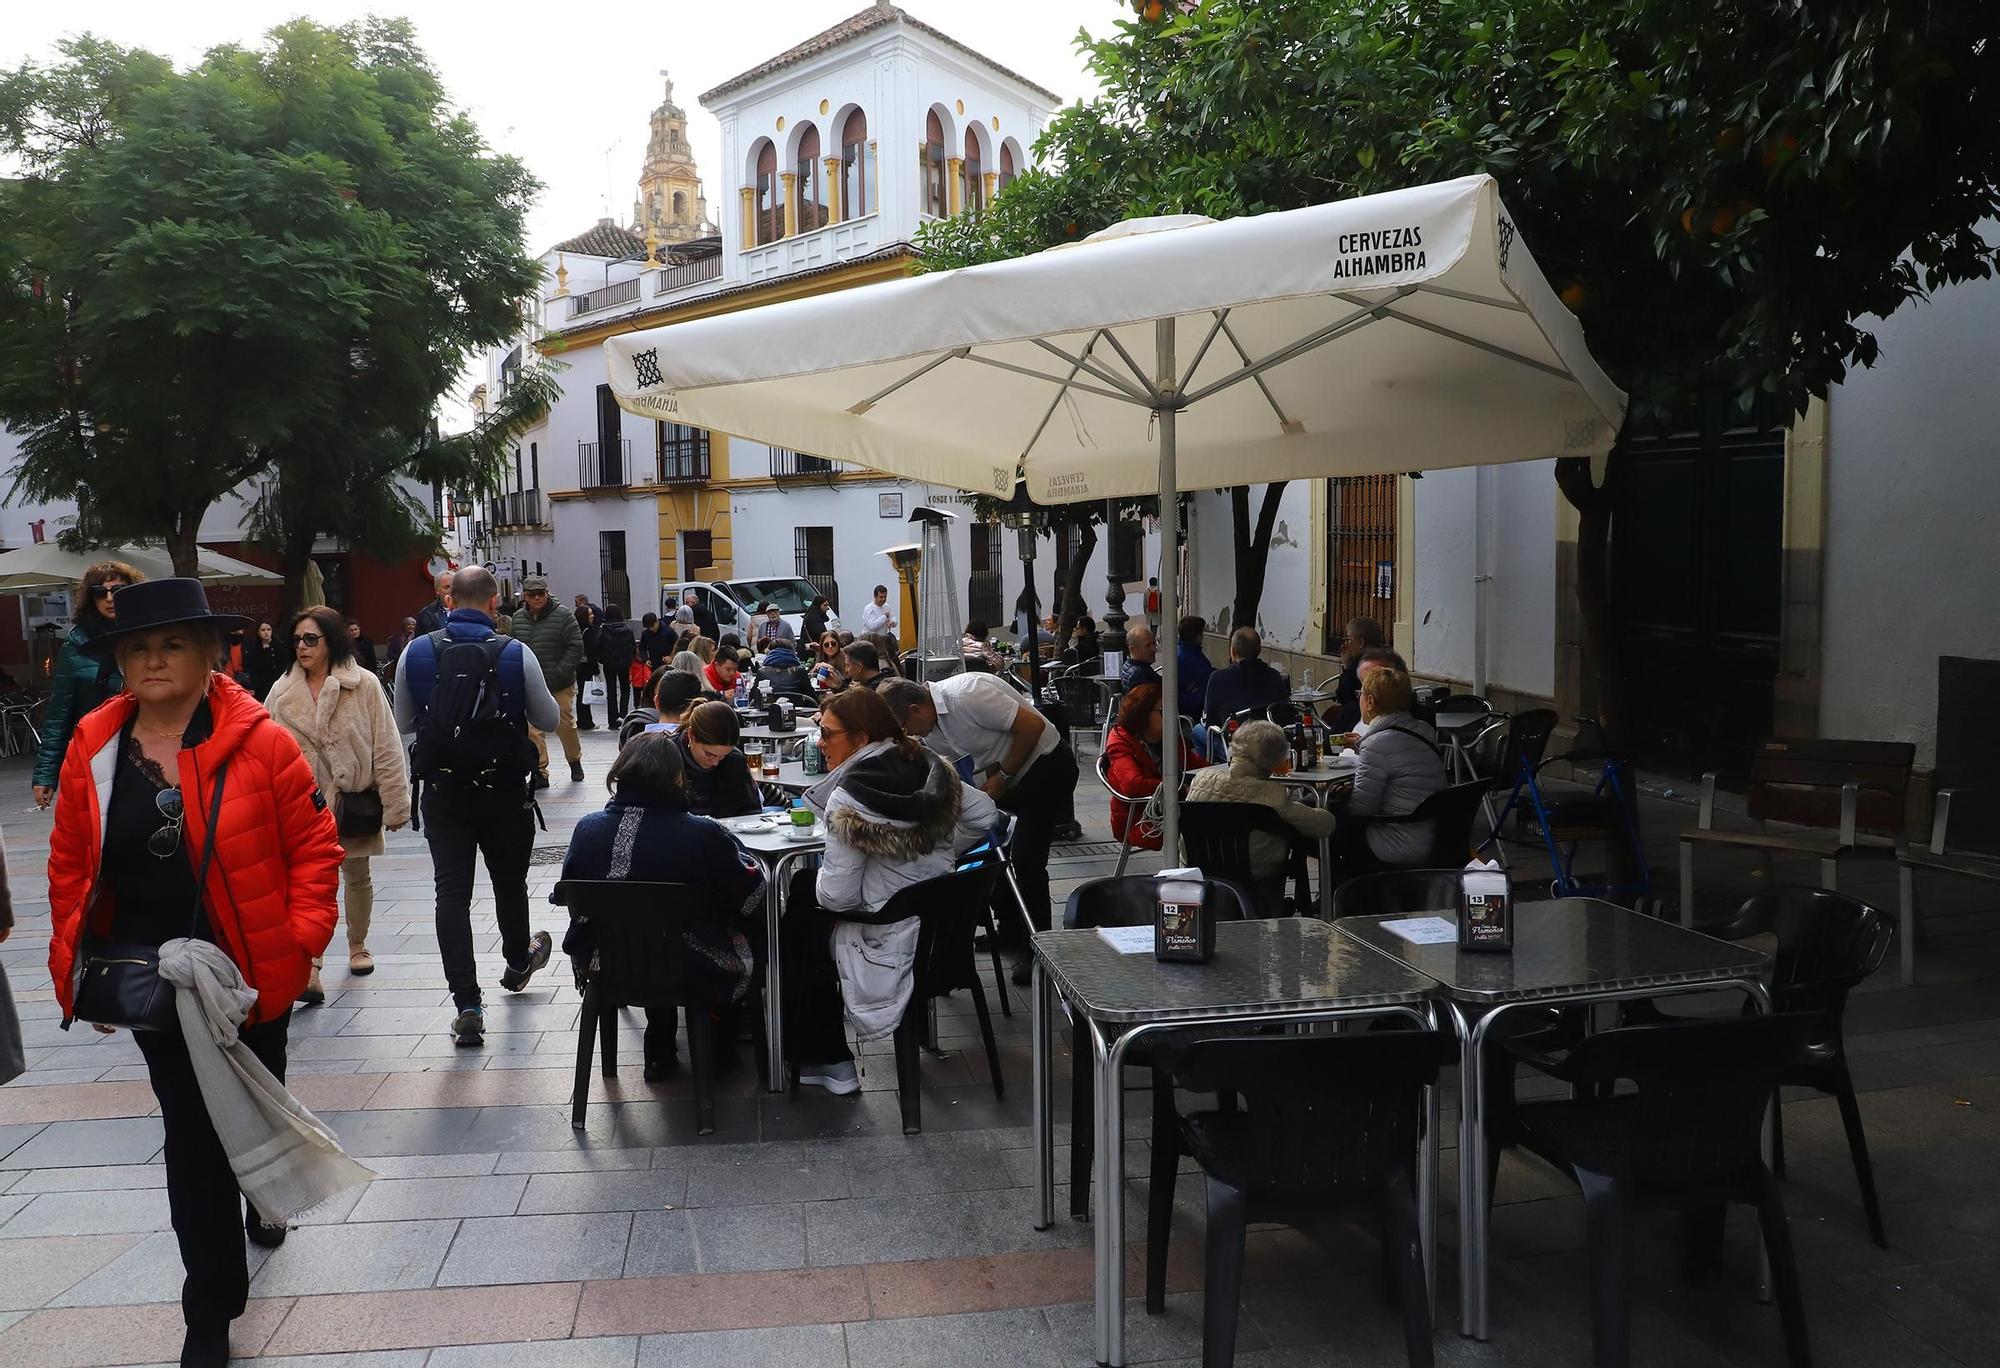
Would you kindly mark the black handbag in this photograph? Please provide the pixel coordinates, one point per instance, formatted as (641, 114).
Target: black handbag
(120, 985)
(358, 814)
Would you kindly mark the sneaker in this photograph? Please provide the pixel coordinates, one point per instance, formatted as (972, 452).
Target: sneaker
(576, 771)
(839, 1078)
(541, 782)
(264, 1234)
(313, 994)
(359, 962)
(468, 1028)
(539, 949)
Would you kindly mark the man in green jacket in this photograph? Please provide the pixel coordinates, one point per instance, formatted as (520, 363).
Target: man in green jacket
(551, 632)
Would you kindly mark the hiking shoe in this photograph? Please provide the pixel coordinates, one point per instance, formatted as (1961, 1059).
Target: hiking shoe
(838, 1078)
(576, 771)
(539, 948)
(468, 1028)
(313, 994)
(541, 782)
(264, 1234)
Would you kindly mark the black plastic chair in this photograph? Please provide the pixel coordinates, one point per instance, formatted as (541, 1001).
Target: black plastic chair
(1688, 1138)
(1453, 810)
(1329, 1125)
(638, 958)
(1827, 944)
(948, 909)
(1399, 893)
(1215, 838)
(998, 851)
(1121, 900)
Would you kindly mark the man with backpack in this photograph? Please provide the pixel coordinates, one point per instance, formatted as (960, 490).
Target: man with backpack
(469, 696)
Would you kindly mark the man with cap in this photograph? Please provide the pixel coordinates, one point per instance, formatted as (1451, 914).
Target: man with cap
(551, 631)
(464, 820)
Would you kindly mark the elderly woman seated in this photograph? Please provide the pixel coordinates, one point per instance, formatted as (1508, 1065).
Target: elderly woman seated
(1132, 764)
(646, 833)
(1400, 765)
(1258, 751)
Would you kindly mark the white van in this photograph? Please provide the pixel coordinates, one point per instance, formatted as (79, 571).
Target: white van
(734, 602)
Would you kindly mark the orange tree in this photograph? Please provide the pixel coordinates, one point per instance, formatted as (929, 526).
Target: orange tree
(1725, 191)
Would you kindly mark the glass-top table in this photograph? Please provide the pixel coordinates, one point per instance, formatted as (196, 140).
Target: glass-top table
(1289, 969)
(1571, 951)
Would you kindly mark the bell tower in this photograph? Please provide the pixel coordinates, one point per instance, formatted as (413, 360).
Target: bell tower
(670, 198)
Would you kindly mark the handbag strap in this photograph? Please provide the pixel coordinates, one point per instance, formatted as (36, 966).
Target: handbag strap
(208, 852)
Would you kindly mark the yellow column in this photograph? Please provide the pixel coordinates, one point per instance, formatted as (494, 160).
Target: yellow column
(954, 173)
(992, 186)
(924, 177)
(833, 214)
(791, 180)
(749, 218)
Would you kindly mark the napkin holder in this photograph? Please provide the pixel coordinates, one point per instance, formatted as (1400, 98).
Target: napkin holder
(1485, 910)
(1183, 920)
(778, 717)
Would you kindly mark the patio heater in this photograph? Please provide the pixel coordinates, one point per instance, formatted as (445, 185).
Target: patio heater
(939, 622)
(1028, 519)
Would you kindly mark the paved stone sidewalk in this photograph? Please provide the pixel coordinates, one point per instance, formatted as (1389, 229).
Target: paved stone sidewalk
(815, 1233)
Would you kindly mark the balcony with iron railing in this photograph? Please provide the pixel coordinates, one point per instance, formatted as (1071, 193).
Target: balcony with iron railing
(787, 464)
(679, 277)
(683, 463)
(619, 292)
(604, 465)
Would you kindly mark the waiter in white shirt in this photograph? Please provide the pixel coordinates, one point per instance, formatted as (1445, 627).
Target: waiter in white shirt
(875, 615)
(1020, 758)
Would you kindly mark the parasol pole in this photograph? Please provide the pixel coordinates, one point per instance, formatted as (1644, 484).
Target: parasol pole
(1167, 401)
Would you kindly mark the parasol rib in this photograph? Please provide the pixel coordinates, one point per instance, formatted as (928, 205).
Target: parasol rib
(1358, 319)
(1085, 363)
(919, 373)
(1493, 348)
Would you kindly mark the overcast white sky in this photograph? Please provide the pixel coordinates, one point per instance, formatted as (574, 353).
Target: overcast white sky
(568, 88)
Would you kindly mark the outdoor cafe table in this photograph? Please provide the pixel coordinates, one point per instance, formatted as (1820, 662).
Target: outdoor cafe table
(792, 777)
(779, 853)
(1287, 969)
(1331, 770)
(1568, 952)
(1453, 726)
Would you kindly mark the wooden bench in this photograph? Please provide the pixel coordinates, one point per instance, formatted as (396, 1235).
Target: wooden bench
(1938, 858)
(1847, 796)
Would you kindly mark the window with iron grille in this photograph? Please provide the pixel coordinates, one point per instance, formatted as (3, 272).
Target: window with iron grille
(615, 585)
(984, 596)
(1360, 554)
(812, 553)
(681, 451)
(1128, 550)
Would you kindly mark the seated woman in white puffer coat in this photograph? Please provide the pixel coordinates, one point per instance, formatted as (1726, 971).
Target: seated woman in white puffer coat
(895, 815)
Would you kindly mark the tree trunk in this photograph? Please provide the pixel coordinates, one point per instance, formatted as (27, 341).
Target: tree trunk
(1071, 596)
(1253, 549)
(182, 543)
(1593, 585)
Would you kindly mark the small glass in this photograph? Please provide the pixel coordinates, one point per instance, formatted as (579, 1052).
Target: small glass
(753, 751)
(771, 759)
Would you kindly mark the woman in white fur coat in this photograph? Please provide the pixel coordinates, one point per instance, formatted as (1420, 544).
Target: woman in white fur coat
(344, 724)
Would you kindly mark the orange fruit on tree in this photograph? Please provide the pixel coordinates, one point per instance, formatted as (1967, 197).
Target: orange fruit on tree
(1687, 221)
(1154, 11)
(1729, 139)
(1574, 294)
(1722, 221)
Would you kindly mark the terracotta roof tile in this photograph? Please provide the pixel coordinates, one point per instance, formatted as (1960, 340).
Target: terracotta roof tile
(876, 16)
(605, 240)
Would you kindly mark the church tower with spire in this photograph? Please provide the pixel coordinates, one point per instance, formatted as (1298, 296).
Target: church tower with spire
(670, 203)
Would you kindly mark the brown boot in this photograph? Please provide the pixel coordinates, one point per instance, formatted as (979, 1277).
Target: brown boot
(313, 994)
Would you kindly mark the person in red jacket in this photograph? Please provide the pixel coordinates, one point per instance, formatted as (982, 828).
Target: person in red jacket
(1132, 763)
(133, 808)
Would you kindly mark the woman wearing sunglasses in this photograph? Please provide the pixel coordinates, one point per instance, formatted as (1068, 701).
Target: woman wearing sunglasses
(338, 712)
(183, 810)
(80, 681)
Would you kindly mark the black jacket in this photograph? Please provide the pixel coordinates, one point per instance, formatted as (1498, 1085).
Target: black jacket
(616, 646)
(812, 625)
(705, 623)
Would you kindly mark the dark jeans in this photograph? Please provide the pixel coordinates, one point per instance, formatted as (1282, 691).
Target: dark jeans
(815, 1020)
(617, 693)
(1042, 797)
(459, 823)
(202, 1195)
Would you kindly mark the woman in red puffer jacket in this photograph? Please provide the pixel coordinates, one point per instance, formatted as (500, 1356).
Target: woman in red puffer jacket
(139, 782)
(1132, 763)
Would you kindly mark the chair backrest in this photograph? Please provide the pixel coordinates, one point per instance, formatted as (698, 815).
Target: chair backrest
(1452, 810)
(948, 907)
(1827, 943)
(1319, 1112)
(1286, 714)
(1704, 1087)
(1128, 900)
(1463, 703)
(1798, 779)
(1399, 893)
(1216, 836)
(978, 665)
(1527, 741)
(638, 930)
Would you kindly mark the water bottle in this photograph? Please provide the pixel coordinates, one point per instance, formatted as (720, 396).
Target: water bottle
(812, 757)
(742, 691)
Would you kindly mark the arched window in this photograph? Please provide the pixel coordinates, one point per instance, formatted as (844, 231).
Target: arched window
(1007, 168)
(936, 202)
(812, 182)
(974, 198)
(857, 168)
(770, 195)
(680, 206)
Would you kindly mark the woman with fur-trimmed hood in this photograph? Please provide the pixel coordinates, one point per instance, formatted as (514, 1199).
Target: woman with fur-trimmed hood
(895, 815)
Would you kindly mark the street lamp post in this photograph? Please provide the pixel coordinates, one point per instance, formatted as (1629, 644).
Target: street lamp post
(1112, 638)
(1028, 518)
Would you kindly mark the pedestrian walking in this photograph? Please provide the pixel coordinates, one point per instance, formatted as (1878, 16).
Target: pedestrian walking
(617, 648)
(589, 621)
(656, 642)
(81, 680)
(1020, 759)
(264, 659)
(188, 828)
(341, 718)
(552, 632)
(471, 697)
(876, 619)
(364, 649)
(430, 618)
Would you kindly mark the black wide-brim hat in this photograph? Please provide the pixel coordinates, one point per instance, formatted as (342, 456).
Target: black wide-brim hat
(150, 605)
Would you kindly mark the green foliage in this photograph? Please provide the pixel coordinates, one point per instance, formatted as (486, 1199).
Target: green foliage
(281, 257)
(1724, 193)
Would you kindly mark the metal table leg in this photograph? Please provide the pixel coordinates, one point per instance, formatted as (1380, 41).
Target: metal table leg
(1109, 1177)
(1042, 1118)
(1427, 1178)
(1472, 1194)
(779, 871)
(1326, 877)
